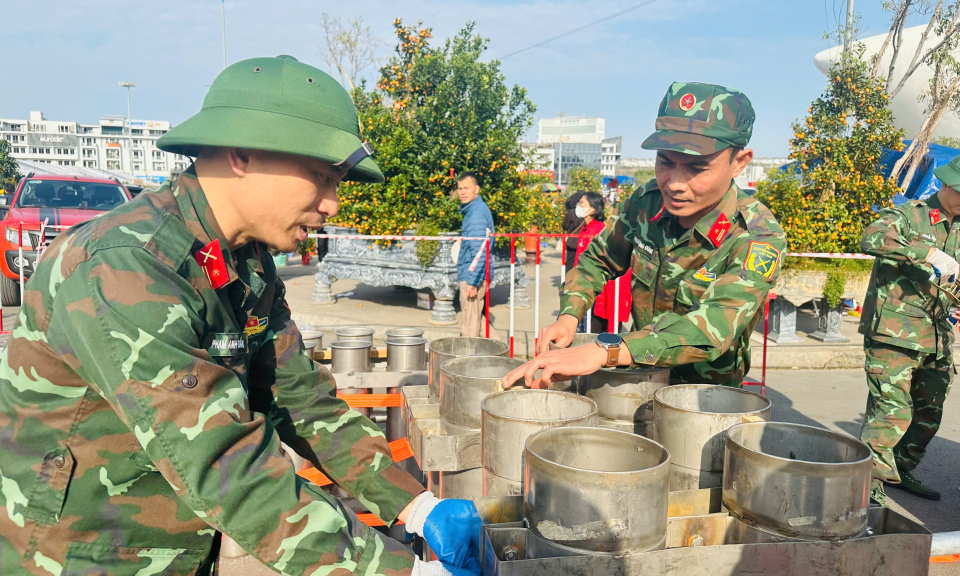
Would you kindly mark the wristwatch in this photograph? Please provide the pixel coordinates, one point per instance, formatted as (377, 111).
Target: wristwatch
(611, 343)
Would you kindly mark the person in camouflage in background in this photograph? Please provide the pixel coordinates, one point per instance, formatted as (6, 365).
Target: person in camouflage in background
(908, 338)
(154, 369)
(703, 254)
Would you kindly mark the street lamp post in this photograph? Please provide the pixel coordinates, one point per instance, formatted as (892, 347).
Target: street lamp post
(560, 160)
(128, 86)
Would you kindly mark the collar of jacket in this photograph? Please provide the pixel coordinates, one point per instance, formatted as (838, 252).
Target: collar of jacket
(465, 207)
(199, 218)
(728, 207)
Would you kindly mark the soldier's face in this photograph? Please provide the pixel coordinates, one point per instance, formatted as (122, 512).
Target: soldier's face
(297, 195)
(693, 185)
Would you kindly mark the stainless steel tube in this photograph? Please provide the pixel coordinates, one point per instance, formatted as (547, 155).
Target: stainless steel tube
(444, 349)
(509, 418)
(596, 489)
(404, 333)
(798, 481)
(361, 333)
(312, 341)
(466, 381)
(350, 356)
(625, 395)
(690, 419)
(406, 354)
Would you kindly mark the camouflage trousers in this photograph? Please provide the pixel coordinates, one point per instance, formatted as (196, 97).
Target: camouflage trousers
(904, 405)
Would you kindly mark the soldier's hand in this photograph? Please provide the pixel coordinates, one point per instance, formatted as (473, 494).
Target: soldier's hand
(558, 366)
(560, 333)
(944, 266)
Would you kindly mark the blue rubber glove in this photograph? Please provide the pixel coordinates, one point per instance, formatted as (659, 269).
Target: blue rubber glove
(452, 530)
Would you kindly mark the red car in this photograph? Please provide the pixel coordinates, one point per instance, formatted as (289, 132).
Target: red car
(54, 203)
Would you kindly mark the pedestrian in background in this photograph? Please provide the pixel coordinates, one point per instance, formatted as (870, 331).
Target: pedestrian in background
(477, 222)
(571, 225)
(591, 209)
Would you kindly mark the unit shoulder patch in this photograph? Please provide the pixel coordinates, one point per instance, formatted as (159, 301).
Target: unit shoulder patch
(255, 325)
(762, 258)
(704, 276)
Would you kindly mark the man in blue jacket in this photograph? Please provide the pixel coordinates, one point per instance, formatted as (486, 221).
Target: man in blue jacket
(477, 222)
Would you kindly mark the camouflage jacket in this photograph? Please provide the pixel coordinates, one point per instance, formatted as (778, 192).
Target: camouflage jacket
(696, 292)
(902, 306)
(141, 410)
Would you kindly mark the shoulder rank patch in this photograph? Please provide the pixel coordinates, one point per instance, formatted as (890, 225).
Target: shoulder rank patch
(704, 276)
(210, 258)
(719, 230)
(762, 258)
(935, 216)
(255, 325)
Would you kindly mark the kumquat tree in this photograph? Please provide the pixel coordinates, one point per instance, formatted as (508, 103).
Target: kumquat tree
(435, 113)
(834, 187)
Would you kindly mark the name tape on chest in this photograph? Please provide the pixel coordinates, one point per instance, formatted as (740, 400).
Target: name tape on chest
(210, 258)
(929, 237)
(228, 344)
(642, 246)
(762, 258)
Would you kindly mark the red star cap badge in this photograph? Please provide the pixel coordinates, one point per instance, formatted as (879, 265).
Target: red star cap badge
(687, 102)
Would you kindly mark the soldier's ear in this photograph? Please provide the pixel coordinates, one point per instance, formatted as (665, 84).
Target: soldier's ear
(239, 159)
(740, 159)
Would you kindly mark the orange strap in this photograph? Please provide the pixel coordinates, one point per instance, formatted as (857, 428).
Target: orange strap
(371, 400)
(399, 450)
(945, 559)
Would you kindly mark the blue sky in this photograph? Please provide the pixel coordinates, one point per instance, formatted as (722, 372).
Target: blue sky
(65, 58)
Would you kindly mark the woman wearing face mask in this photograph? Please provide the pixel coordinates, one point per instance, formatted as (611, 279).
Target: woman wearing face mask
(590, 208)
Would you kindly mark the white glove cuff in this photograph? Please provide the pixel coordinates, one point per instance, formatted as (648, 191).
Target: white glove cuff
(421, 568)
(422, 506)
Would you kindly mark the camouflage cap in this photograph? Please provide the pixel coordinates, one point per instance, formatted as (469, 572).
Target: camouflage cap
(277, 104)
(950, 173)
(701, 119)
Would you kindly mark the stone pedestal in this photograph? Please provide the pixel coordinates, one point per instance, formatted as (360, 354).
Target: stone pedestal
(783, 322)
(397, 265)
(829, 324)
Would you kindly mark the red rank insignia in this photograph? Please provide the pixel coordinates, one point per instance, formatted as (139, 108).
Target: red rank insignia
(719, 230)
(659, 214)
(210, 259)
(935, 216)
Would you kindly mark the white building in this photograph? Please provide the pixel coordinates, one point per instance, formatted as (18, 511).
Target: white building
(572, 129)
(610, 155)
(110, 145)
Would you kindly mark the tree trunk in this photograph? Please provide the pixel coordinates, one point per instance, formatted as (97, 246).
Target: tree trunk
(922, 139)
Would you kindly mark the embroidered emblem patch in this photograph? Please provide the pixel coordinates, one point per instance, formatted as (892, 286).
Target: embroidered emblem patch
(210, 258)
(719, 230)
(704, 276)
(762, 258)
(687, 102)
(255, 325)
(935, 216)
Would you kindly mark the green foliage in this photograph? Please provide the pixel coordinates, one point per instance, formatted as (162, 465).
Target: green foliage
(644, 175)
(427, 250)
(305, 247)
(583, 179)
(826, 201)
(950, 141)
(433, 111)
(834, 287)
(9, 169)
(838, 273)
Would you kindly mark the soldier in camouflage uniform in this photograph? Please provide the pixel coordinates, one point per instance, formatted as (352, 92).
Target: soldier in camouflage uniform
(703, 254)
(154, 369)
(908, 338)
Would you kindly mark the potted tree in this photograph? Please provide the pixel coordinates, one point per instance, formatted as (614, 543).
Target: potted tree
(306, 248)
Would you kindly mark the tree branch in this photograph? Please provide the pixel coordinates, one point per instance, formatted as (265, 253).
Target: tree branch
(949, 31)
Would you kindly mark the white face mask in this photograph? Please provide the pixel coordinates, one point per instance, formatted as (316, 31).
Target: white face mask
(582, 212)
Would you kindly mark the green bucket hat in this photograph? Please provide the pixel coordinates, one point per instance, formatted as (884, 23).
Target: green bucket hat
(281, 105)
(949, 174)
(701, 119)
